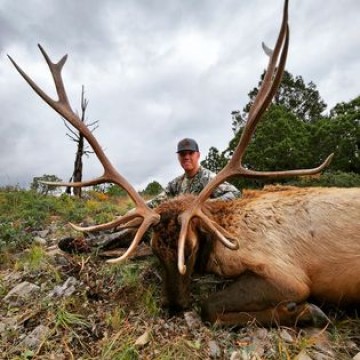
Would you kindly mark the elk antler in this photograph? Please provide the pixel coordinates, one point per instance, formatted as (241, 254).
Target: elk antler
(110, 175)
(234, 167)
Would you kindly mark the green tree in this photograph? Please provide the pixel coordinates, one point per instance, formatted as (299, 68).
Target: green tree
(281, 142)
(351, 108)
(339, 133)
(38, 185)
(215, 160)
(115, 190)
(294, 133)
(282, 139)
(303, 100)
(153, 188)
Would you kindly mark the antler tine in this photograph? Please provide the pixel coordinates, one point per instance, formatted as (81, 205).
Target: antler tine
(110, 175)
(263, 99)
(130, 220)
(283, 38)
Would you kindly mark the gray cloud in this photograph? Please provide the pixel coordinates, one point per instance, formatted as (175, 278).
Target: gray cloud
(155, 71)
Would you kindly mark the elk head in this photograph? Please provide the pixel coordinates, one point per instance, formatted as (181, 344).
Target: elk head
(177, 248)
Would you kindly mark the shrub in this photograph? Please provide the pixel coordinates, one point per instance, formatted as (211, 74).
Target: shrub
(330, 178)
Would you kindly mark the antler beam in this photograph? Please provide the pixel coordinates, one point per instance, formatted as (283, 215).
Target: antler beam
(234, 167)
(110, 175)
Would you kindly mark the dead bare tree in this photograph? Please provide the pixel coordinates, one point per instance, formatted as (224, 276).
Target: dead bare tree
(82, 148)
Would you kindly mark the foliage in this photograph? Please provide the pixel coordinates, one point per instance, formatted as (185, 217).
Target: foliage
(42, 188)
(303, 100)
(352, 108)
(339, 133)
(115, 190)
(294, 134)
(215, 160)
(329, 178)
(152, 189)
(278, 143)
(22, 212)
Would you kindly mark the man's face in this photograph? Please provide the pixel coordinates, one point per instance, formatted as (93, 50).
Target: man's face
(189, 160)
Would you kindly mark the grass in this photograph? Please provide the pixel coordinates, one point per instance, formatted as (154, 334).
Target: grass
(113, 307)
(23, 212)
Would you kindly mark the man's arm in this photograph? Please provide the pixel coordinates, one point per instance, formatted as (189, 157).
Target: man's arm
(226, 191)
(154, 202)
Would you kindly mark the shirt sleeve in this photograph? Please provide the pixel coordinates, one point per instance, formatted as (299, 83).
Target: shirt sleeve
(225, 191)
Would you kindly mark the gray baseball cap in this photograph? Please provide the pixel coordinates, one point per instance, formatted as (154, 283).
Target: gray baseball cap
(187, 145)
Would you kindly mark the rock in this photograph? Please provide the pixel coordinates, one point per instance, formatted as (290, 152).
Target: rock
(214, 350)
(43, 233)
(260, 333)
(320, 356)
(245, 354)
(286, 336)
(39, 241)
(303, 355)
(357, 356)
(260, 340)
(35, 338)
(65, 290)
(12, 277)
(22, 291)
(143, 339)
(192, 320)
(235, 356)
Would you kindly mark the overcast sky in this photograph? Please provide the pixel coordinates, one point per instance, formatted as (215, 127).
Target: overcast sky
(156, 71)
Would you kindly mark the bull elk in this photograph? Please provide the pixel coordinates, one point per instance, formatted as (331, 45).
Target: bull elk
(278, 249)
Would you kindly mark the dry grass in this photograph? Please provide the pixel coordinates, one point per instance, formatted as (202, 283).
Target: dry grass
(115, 306)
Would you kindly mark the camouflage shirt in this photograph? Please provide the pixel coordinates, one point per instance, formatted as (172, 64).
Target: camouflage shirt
(186, 185)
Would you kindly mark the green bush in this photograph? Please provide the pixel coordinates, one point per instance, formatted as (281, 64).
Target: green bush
(13, 236)
(22, 212)
(327, 178)
(330, 178)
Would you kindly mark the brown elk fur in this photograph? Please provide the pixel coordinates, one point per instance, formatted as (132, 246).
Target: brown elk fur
(304, 242)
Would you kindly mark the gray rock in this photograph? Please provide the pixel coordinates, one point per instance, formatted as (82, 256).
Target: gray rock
(303, 355)
(192, 320)
(143, 339)
(286, 336)
(235, 355)
(66, 289)
(22, 291)
(39, 241)
(35, 338)
(43, 233)
(214, 350)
